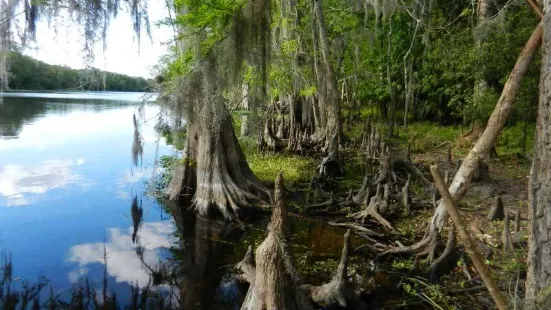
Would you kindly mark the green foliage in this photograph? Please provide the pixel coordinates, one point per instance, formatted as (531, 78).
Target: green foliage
(30, 74)
(516, 139)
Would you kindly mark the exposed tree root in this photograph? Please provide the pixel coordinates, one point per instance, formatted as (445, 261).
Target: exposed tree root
(274, 282)
(410, 168)
(363, 195)
(419, 248)
(442, 263)
(377, 205)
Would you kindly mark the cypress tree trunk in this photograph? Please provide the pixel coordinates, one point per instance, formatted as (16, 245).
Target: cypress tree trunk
(538, 279)
(320, 113)
(246, 129)
(214, 170)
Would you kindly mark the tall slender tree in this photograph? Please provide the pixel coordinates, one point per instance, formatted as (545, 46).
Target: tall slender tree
(538, 278)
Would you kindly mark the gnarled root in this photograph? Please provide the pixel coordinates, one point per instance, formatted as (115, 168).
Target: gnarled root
(442, 262)
(337, 292)
(422, 247)
(409, 167)
(377, 205)
(331, 166)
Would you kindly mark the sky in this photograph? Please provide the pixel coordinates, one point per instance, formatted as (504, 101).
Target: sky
(62, 45)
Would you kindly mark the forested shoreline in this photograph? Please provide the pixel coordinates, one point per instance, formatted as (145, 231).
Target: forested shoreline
(27, 73)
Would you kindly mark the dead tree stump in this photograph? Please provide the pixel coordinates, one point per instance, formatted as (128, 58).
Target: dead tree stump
(496, 212)
(275, 283)
(506, 239)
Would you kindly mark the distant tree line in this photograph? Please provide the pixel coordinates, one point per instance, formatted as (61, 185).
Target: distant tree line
(28, 73)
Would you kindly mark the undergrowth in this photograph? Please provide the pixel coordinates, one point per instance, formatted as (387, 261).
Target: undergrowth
(296, 169)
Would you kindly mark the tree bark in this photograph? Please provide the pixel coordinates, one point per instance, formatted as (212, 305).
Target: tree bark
(538, 279)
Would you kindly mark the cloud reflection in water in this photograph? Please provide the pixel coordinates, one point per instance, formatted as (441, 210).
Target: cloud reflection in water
(20, 185)
(122, 261)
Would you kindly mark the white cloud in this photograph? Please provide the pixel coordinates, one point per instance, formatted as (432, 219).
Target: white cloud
(122, 261)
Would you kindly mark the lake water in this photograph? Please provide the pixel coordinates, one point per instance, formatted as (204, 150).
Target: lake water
(67, 184)
(71, 201)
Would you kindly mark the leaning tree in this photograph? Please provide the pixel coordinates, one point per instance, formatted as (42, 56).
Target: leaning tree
(482, 148)
(216, 45)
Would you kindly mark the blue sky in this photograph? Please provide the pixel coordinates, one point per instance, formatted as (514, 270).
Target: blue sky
(62, 44)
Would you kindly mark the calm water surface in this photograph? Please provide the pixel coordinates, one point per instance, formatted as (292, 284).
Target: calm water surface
(67, 184)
